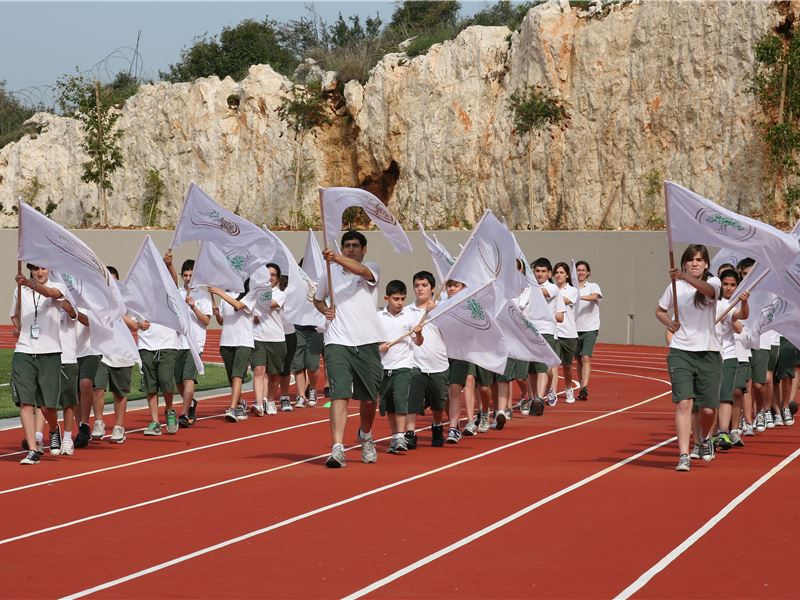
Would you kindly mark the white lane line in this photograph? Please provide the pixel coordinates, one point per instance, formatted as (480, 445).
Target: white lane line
(645, 578)
(498, 524)
(351, 499)
(165, 456)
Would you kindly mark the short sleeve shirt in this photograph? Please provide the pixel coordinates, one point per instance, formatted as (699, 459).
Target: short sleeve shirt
(697, 332)
(356, 299)
(270, 320)
(158, 337)
(400, 355)
(546, 326)
(567, 329)
(587, 314)
(202, 300)
(45, 313)
(431, 356)
(237, 325)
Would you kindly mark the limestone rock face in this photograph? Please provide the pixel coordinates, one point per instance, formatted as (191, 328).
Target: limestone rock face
(652, 92)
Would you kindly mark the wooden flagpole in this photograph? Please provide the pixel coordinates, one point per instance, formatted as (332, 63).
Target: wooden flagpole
(19, 262)
(671, 255)
(325, 243)
(732, 305)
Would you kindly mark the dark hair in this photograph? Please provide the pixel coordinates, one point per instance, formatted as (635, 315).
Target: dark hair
(113, 271)
(724, 267)
(246, 289)
(395, 286)
(354, 235)
(283, 282)
(583, 262)
(31, 266)
(276, 267)
(426, 275)
(564, 266)
(188, 265)
(744, 263)
(542, 262)
(689, 254)
(521, 266)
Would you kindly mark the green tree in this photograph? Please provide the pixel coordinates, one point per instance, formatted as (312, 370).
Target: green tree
(422, 15)
(12, 115)
(502, 13)
(95, 107)
(304, 109)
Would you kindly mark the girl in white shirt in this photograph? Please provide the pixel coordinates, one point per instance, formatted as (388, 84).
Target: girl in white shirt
(587, 321)
(695, 365)
(566, 330)
(270, 346)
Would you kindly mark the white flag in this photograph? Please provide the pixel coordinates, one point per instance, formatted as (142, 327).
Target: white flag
(489, 254)
(313, 263)
(573, 275)
(150, 291)
(523, 341)
(300, 286)
(114, 342)
(469, 330)
(338, 199)
(725, 256)
(212, 268)
(774, 312)
(442, 261)
(244, 244)
(697, 220)
(45, 243)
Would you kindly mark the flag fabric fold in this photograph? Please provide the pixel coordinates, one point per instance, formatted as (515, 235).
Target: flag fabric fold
(522, 339)
(213, 269)
(442, 260)
(336, 200)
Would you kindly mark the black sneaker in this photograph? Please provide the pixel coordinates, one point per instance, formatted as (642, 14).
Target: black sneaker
(55, 441)
(537, 408)
(39, 447)
(792, 406)
(411, 440)
(183, 422)
(192, 412)
(437, 436)
(500, 420)
(31, 458)
(583, 394)
(84, 435)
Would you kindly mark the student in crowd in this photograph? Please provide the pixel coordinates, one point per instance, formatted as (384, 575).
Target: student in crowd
(566, 330)
(587, 322)
(269, 348)
(541, 378)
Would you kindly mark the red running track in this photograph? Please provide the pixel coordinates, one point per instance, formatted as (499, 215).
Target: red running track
(579, 503)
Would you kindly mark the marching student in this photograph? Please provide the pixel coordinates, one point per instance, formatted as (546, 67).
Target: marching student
(742, 398)
(290, 337)
(430, 374)
(786, 380)
(587, 322)
(69, 374)
(695, 364)
(397, 361)
(541, 378)
(236, 343)
(36, 363)
(305, 361)
(566, 330)
(727, 434)
(88, 361)
(354, 332)
(158, 350)
(269, 347)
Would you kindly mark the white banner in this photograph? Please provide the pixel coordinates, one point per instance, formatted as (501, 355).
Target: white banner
(442, 260)
(212, 268)
(523, 341)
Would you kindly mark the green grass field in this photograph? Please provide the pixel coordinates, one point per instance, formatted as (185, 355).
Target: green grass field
(213, 379)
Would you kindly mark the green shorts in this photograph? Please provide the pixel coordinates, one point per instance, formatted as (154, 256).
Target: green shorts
(185, 369)
(566, 349)
(291, 348)
(158, 371)
(117, 380)
(69, 385)
(537, 367)
(759, 360)
(461, 369)
(742, 376)
(87, 366)
(773, 358)
(586, 342)
(236, 359)
(729, 368)
(428, 389)
(395, 391)
(36, 379)
(696, 375)
(515, 369)
(308, 351)
(269, 355)
(788, 358)
(353, 371)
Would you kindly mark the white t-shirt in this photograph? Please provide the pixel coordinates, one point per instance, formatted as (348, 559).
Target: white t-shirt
(46, 313)
(587, 315)
(567, 329)
(697, 332)
(306, 313)
(237, 325)
(431, 356)
(743, 353)
(83, 341)
(123, 339)
(356, 299)
(67, 329)
(202, 300)
(401, 355)
(725, 330)
(158, 337)
(270, 322)
(547, 326)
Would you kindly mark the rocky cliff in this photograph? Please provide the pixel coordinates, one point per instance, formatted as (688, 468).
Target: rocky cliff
(653, 89)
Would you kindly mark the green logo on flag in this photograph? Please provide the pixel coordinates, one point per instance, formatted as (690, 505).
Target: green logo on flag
(475, 310)
(266, 296)
(237, 262)
(724, 222)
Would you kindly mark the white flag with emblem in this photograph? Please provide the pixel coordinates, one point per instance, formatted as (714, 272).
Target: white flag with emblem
(523, 341)
(213, 269)
(338, 199)
(150, 291)
(300, 286)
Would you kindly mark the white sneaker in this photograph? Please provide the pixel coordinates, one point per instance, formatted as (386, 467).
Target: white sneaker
(312, 397)
(257, 408)
(768, 422)
(570, 395)
(748, 429)
(117, 435)
(788, 418)
(778, 419)
(67, 447)
(301, 402)
(552, 398)
(99, 429)
(286, 404)
(271, 408)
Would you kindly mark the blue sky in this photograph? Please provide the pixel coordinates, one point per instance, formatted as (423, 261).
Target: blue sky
(39, 41)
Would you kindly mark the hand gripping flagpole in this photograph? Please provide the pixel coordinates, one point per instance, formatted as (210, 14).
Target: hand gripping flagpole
(325, 242)
(671, 255)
